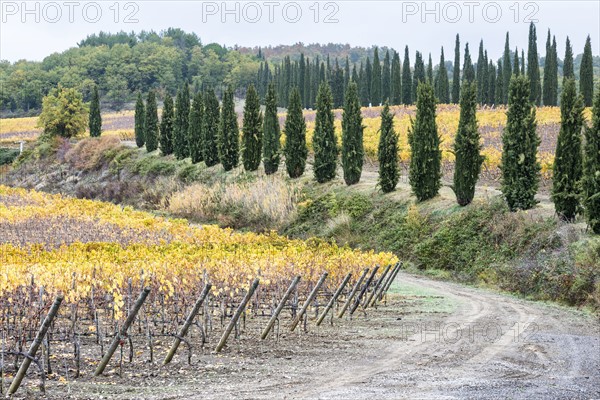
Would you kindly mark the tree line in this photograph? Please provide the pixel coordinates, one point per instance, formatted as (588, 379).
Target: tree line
(122, 64)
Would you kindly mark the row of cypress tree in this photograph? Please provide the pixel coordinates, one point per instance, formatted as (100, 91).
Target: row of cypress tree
(384, 78)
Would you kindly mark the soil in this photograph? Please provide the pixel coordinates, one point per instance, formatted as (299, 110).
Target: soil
(430, 340)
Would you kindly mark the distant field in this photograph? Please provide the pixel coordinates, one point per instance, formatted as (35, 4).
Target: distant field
(491, 124)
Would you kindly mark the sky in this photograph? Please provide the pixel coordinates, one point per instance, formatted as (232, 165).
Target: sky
(33, 30)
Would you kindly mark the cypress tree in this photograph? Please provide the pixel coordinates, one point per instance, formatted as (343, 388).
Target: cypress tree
(441, 80)
(396, 79)
(568, 68)
(468, 70)
(352, 137)
(591, 172)
(550, 91)
(252, 131)
(337, 86)
(324, 140)
(568, 158)
(151, 123)
(369, 76)
(586, 74)
(520, 169)
(140, 115)
(271, 133)
(388, 152)
(491, 84)
(295, 149)
(364, 87)
(522, 62)
(456, 72)
(300, 80)
(229, 133)
(166, 126)
(195, 134)
(500, 84)
(386, 78)
(516, 70)
(95, 119)
(406, 79)
(467, 147)
(430, 71)
(425, 171)
(418, 75)
(376, 80)
(506, 71)
(481, 76)
(182, 122)
(210, 150)
(533, 67)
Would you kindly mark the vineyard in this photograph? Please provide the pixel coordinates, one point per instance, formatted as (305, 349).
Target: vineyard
(491, 124)
(104, 278)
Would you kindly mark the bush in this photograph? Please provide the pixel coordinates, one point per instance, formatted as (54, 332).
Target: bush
(7, 155)
(90, 154)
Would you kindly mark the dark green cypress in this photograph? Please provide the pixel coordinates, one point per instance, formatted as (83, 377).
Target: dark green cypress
(252, 131)
(376, 80)
(418, 75)
(533, 67)
(550, 92)
(396, 80)
(468, 70)
(229, 133)
(352, 137)
(364, 87)
(95, 119)
(522, 62)
(369, 76)
(516, 70)
(301, 76)
(591, 169)
(520, 169)
(425, 171)
(491, 84)
(308, 96)
(166, 126)
(586, 74)
(568, 68)
(430, 70)
(182, 122)
(406, 79)
(506, 70)
(324, 140)
(388, 152)
(210, 129)
(500, 84)
(481, 75)
(337, 86)
(568, 158)
(195, 134)
(271, 133)
(467, 148)
(386, 78)
(140, 115)
(441, 81)
(151, 123)
(456, 72)
(295, 149)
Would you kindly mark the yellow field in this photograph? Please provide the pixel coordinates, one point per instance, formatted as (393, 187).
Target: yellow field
(102, 248)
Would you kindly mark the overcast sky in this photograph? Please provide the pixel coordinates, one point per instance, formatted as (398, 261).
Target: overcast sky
(423, 26)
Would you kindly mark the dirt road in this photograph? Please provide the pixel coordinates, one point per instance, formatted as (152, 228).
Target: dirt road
(432, 340)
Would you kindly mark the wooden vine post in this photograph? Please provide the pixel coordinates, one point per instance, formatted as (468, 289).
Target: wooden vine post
(37, 342)
(188, 322)
(122, 332)
(353, 292)
(391, 280)
(364, 289)
(334, 298)
(377, 286)
(237, 315)
(280, 307)
(309, 300)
